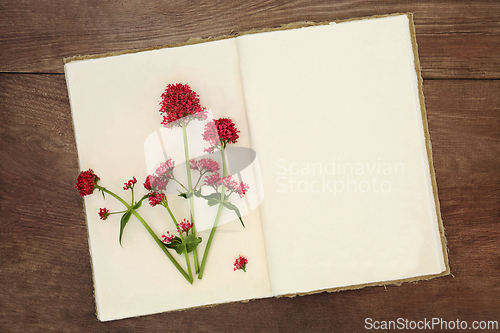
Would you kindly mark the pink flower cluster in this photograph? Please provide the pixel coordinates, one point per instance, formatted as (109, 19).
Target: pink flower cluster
(167, 239)
(86, 182)
(184, 226)
(228, 133)
(232, 185)
(179, 101)
(214, 180)
(240, 263)
(166, 168)
(156, 198)
(130, 184)
(163, 174)
(103, 213)
(204, 165)
(219, 132)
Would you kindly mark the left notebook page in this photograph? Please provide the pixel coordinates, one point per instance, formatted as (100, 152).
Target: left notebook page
(115, 107)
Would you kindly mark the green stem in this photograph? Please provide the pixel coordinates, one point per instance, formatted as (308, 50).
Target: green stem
(191, 198)
(182, 238)
(173, 219)
(209, 242)
(164, 249)
(179, 183)
(189, 267)
(217, 217)
(199, 178)
(152, 233)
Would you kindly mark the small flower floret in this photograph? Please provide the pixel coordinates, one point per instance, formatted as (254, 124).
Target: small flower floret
(240, 263)
(103, 213)
(242, 189)
(184, 226)
(130, 183)
(167, 239)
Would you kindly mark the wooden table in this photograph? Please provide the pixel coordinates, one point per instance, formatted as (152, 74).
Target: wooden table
(45, 268)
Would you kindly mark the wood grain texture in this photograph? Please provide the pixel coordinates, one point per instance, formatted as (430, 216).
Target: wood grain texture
(457, 39)
(45, 269)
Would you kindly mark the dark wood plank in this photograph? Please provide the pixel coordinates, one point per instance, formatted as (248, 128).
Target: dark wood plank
(457, 39)
(45, 269)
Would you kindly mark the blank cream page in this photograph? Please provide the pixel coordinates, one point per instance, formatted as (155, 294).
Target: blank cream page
(335, 120)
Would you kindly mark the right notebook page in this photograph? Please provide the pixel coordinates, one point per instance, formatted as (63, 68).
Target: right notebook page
(336, 118)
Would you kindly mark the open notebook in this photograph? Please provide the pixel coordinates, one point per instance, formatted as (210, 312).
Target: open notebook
(342, 190)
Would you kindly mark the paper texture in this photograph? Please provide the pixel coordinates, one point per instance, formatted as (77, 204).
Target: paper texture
(348, 190)
(115, 109)
(334, 116)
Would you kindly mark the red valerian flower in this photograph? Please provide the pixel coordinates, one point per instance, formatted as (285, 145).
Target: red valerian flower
(158, 183)
(147, 183)
(242, 189)
(219, 132)
(103, 213)
(213, 180)
(179, 101)
(163, 174)
(228, 133)
(184, 226)
(130, 183)
(204, 165)
(230, 183)
(86, 182)
(240, 263)
(166, 169)
(156, 198)
(167, 239)
(233, 186)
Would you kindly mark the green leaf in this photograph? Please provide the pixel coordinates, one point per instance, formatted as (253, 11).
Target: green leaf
(189, 194)
(191, 242)
(212, 202)
(177, 245)
(230, 206)
(139, 203)
(176, 242)
(212, 199)
(213, 196)
(123, 223)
